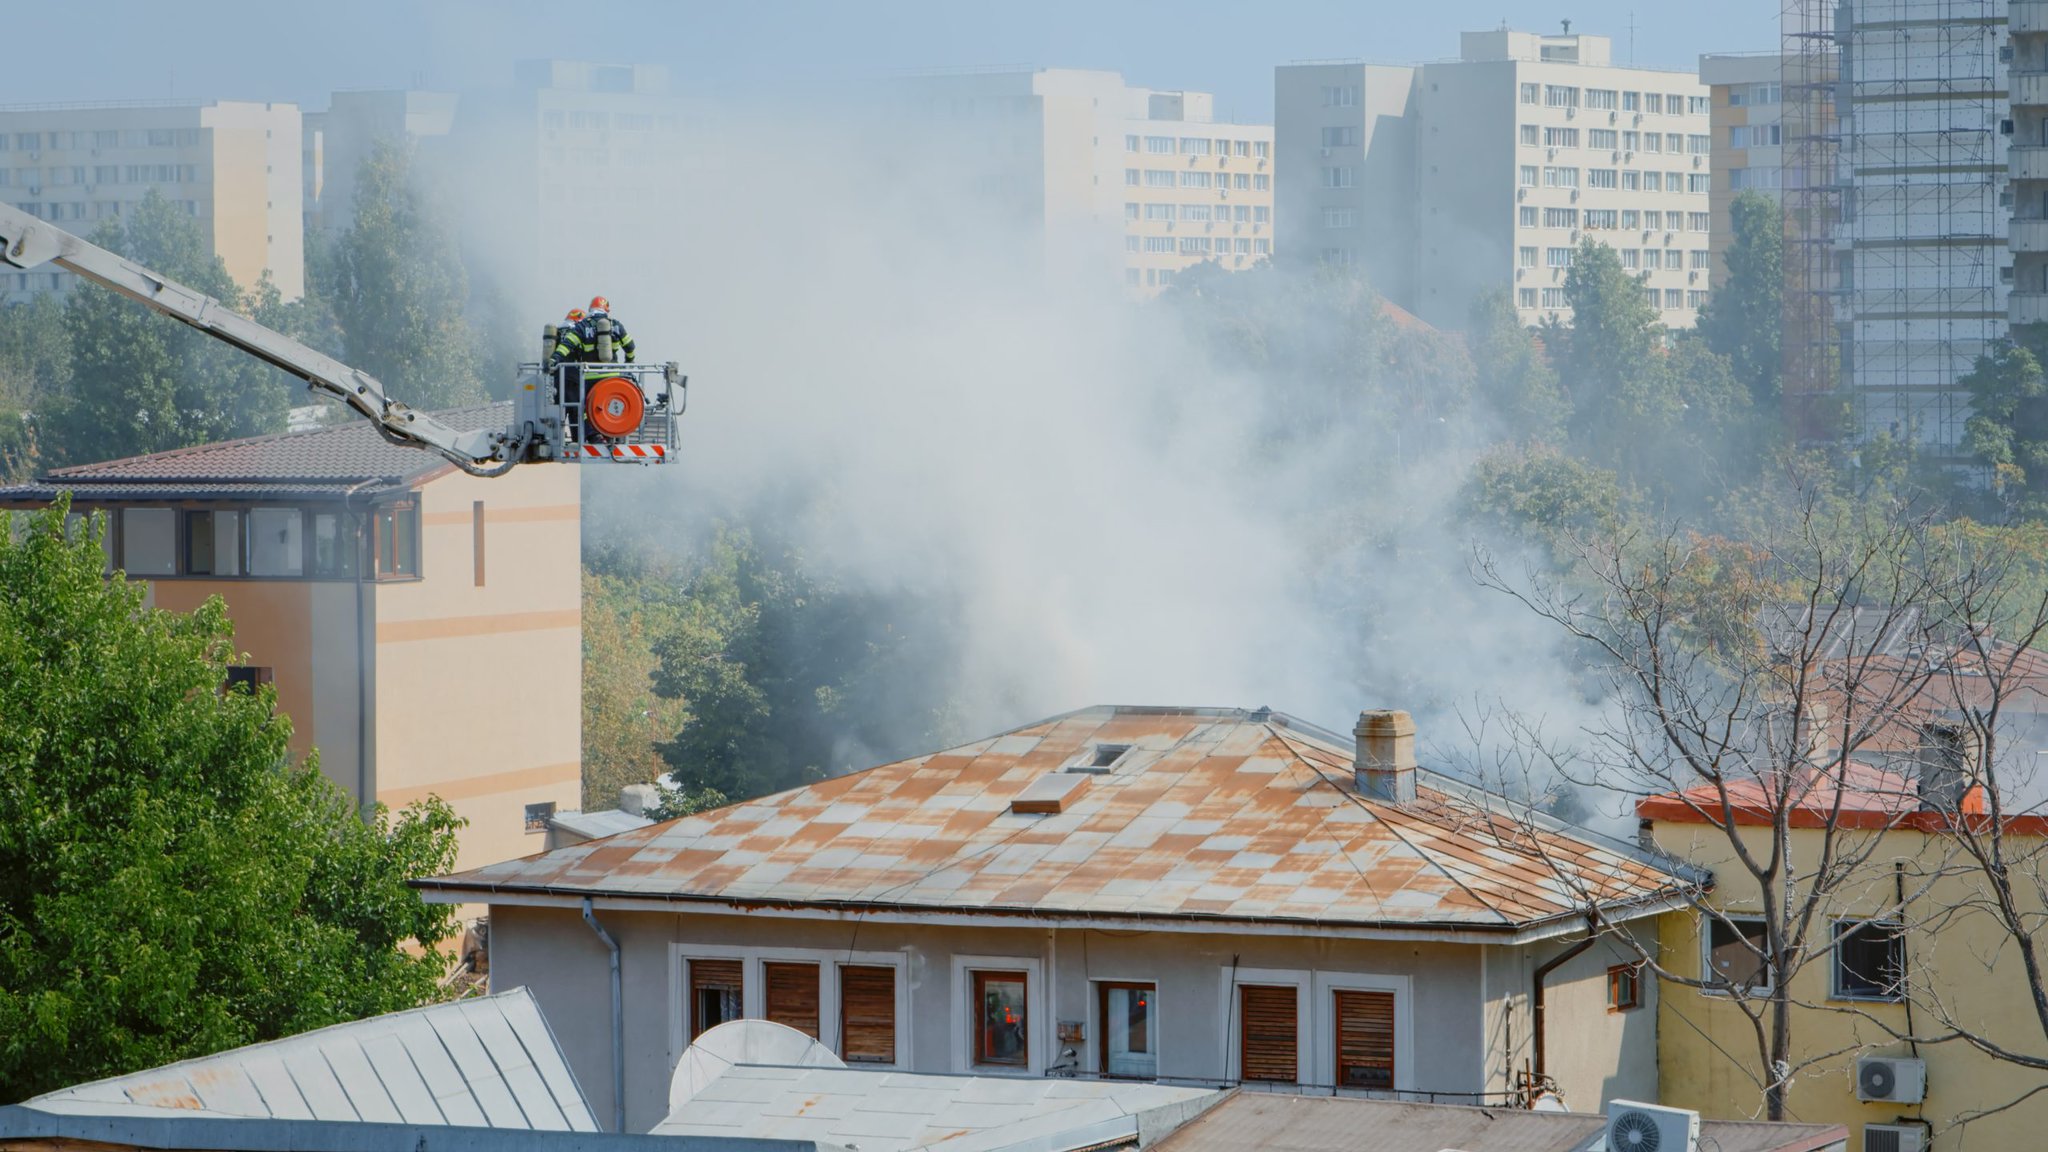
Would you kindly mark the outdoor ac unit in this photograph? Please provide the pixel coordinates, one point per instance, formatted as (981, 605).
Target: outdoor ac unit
(1570, 113)
(1326, 153)
(1633, 1127)
(1891, 1079)
(1613, 116)
(1893, 1138)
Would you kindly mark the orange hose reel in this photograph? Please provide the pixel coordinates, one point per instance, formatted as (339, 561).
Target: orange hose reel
(614, 406)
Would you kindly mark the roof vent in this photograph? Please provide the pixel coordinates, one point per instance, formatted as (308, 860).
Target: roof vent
(1098, 759)
(1049, 795)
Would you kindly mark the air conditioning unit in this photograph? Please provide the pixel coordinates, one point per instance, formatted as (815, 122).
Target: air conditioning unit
(1569, 113)
(1891, 1079)
(1613, 116)
(1894, 1138)
(1326, 153)
(1633, 1127)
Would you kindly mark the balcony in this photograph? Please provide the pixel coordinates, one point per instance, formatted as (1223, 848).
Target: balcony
(2027, 16)
(2029, 236)
(2028, 163)
(2027, 308)
(2030, 88)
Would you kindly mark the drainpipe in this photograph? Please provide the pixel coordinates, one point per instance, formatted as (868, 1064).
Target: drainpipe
(618, 1023)
(1545, 969)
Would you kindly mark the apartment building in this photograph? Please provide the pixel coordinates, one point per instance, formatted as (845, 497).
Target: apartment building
(1104, 178)
(2027, 159)
(422, 627)
(1746, 103)
(338, 140)
(1517, 150)
(234, 166)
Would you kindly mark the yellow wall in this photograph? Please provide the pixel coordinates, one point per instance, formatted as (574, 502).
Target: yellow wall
(1706, 1047)
(273, 624)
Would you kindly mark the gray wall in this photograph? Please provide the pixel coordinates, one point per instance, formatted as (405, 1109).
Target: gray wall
(1451, 1029)
(1383, 161)
(1465, 167)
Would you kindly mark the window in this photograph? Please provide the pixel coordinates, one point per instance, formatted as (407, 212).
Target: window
(1630, 141)
(213, 543)
(248, 677)
(1631, 101)
(1672, 183)
(538, 815)
(1602, 178)
(149, 541)
(1240, 180)
(1243, 147)
(1560, 177)
(1130, 1042)
(1561, 137)
(1131, 277)
(1674, 298)
(1001, 1025)
(1601, 98)
(1698, 182)
(1156, 178)
(1695, 298)
(397, 541)
(1699, 145)
(1701, 258)
(1557, 257)
(1337, 177)
(1195, 213)
(1531, 136)
(1674, 143)
(1525, 297)
(335, 544)
(1631, 180)
(1267, 1034)
(1631, 219)
(1525, 216)
(1870, 960)
(1631, 259)
(1262, 247)
(1606, 218)
(1653, 102)
(1261, 149)
(1194, 145)
(1131, 178)
(1603, 138)
(867, 1014)
(1343, 137)
(1244, 246)
(1262, 183)
(1698, 105)
(1653, 142)
(1131, 143)
(1160, 245)
(276, 543)
(1653, 181)
(1553, 297)
(1340, 218)
(1244, 213)
(1560, 96)
(1194, 245)
(28, 141)
(791, 995)
(1341, 96)
(1131, 244)
(1526, 257)
(1527, 176)
(1560, 217)
(1159, 145)
(1653, 258)
(1624, 987)
(1158, 211)
(1130, 211)
(1532, 93)
(1261, 214)
(1365, 1039)
(715, 987)
(1194, 179)
(1653, 220)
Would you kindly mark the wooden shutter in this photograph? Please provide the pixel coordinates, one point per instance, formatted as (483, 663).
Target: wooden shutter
(1267, 1033)
(793, 996)
(1365, 1040)
(713, 982)
(867, 1015)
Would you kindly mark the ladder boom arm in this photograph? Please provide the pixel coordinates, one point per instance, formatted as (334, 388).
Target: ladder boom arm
(27, 242)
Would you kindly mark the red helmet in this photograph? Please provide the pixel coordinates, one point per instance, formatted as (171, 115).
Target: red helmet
(599, 305)
(575, 315)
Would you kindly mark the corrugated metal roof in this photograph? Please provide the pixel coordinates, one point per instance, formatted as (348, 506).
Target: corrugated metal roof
(1281, 1123)
(1213, 814)
(490, 1062)
(591, 825)
(294, 465)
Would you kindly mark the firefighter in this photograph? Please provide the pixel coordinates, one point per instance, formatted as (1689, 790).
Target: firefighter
(622, 343)
(570, 340)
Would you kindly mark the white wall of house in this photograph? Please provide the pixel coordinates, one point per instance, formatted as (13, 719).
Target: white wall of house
(1456, 1034)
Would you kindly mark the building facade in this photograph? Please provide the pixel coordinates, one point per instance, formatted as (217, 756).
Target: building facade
(421, 627)
(337, 141)
(1518, 150)
(1746, 95)
(2027, 159)
(1172, 894)
(234, 166)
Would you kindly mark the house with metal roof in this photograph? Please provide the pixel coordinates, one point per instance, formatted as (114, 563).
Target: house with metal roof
(1191, 895)
(421, 627)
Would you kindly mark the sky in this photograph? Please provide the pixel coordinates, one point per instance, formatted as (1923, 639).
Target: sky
(266, 50)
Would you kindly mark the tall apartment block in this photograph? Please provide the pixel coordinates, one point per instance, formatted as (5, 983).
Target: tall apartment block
(337, 141)
(1108, 178)
(234, 166)
(1746, 98)
(1448, 180)
(2027, 160)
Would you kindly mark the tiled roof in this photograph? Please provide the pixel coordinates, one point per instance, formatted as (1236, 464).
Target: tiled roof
(1213, 815)
(324, 463)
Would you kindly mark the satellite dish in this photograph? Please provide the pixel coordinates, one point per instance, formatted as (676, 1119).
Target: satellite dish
(743, 1042)
(1548, 1102)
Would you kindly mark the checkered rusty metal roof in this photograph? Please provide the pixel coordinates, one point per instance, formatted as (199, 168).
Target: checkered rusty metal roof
(490, 1062)
(1210, 815)
(348, 458)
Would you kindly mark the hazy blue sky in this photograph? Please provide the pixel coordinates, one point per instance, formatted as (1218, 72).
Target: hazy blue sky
(279, 50)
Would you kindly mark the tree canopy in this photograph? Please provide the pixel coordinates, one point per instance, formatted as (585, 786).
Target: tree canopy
(1742, 319)
(170, 883)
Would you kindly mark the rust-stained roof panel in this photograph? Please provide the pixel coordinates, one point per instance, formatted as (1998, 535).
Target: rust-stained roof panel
(1214, 814)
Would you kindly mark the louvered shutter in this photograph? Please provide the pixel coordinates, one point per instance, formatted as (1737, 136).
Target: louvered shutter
(1267, 1033)
(792, 993)
(1365, 1040)
(867, 1015)
(715, 987)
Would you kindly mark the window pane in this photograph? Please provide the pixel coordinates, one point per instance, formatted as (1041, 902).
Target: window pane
(792, 996)
(227, 543)
(275, 545)
(714, 994)
(199, 543)
(1267, 1034)
(149, 541)
(1365, 1040)
(1001, 1029)
(334, 544)
(1128, 1047)
(1870, 961)
(867, 1012)
(1735, 953)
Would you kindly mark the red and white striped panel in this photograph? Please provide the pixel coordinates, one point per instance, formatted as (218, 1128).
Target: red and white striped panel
(628, 451)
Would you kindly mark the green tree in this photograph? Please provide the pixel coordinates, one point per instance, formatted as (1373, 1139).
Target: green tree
(1742, 319)
(1614, 335)
(1514, 377)
(623, 717)
(1539, 493)
(141, 382)
(2008, 426)
(398, 288)
(170, 884)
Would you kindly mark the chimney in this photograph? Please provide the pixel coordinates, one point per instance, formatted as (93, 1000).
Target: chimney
(636, 799)
(1385, 766)
(1946, 751)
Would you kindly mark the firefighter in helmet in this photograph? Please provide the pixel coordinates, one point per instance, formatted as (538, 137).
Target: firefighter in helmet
(622, 342)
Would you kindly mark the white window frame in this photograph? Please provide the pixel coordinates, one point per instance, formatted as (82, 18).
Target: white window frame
(1327, 985)
(754, 989)
(1302, 981)
(1043, 1035)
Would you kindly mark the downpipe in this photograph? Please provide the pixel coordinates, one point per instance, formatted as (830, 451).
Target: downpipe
(618, 1022)
(1536, 990)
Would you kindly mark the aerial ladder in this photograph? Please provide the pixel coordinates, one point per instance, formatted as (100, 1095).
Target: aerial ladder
(572, 412)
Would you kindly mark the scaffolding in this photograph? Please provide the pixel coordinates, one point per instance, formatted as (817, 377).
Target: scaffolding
(1897, 212)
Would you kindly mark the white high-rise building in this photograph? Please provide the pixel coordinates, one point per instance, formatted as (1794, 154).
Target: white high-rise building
(337, 141)
(1444, 181)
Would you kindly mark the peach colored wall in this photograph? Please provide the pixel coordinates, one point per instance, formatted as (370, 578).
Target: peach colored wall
(273, 624)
